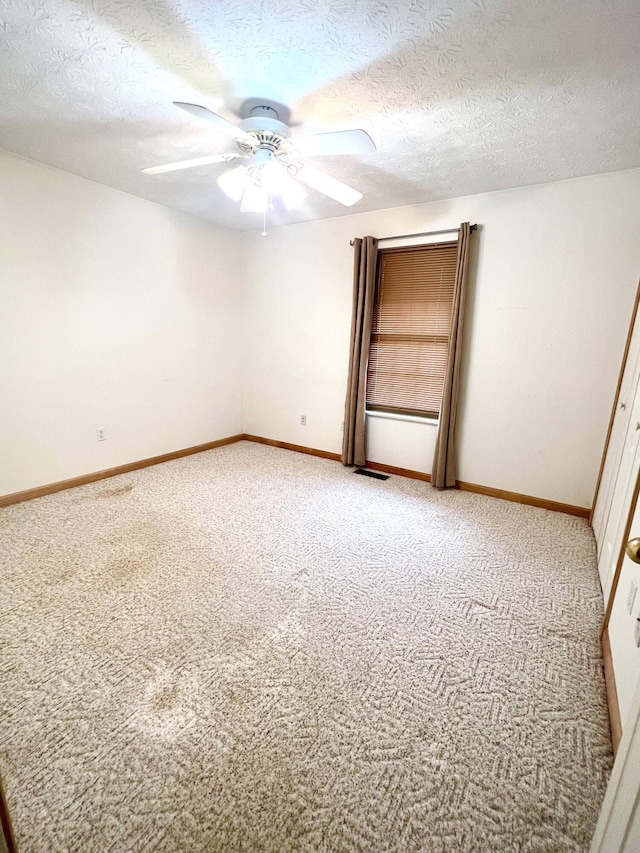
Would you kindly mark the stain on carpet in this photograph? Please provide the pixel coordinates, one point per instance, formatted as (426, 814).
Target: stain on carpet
(124, 571)
(115, 492)
(167, 696)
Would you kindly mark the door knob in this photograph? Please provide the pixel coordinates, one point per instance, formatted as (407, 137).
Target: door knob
(632, 549)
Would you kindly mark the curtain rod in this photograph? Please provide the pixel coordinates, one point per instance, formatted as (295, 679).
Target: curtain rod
(422, 234)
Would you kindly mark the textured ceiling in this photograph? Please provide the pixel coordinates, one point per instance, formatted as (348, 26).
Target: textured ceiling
(460, 96)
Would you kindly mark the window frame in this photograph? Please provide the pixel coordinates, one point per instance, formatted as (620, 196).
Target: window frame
(393, 412)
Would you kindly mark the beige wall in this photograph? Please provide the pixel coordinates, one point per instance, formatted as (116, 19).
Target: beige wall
(115, 313)
(557, 269)
(118, 313)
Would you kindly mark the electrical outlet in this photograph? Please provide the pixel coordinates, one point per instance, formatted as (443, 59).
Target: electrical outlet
(101, 434)
(303, 420)
(631, 595)
(637, 633)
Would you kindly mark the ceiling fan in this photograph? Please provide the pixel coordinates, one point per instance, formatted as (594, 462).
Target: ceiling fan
(274, 167)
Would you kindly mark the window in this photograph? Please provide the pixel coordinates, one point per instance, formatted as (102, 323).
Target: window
(410, 331)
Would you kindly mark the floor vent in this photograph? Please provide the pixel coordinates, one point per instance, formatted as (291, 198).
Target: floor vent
(373, 474)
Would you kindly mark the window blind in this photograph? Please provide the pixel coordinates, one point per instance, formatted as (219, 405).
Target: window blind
(410, 331)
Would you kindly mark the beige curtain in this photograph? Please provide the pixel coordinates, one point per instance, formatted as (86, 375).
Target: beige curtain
(443, 472)
(365, 253)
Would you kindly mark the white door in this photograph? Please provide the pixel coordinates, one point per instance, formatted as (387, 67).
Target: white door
(623, 620)
(622, 494)
(621, 421)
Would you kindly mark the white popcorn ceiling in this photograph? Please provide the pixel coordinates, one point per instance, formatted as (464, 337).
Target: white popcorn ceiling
(460, 97)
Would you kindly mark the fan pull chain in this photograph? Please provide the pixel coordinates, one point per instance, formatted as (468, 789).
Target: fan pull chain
(264, 223)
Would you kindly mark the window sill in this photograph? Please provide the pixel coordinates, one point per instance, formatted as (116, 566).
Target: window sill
(413, 419)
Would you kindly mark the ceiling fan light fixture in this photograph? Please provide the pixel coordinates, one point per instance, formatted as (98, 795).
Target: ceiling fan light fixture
(255, 199)
(233, 182)
(273, 177)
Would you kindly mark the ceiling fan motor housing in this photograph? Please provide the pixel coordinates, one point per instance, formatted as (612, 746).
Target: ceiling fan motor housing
(265, 127)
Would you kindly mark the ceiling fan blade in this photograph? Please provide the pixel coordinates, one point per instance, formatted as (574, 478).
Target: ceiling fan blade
(327, 185)
(190, 164)
(339, 142)
(213, 118)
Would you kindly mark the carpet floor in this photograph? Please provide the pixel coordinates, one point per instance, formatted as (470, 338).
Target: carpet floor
(254, 650)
